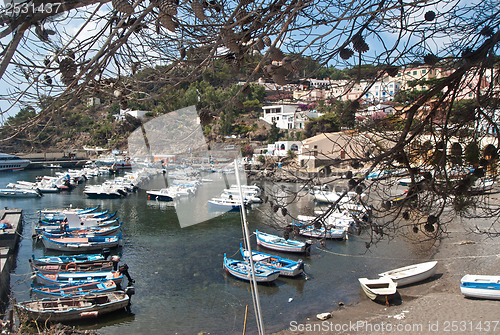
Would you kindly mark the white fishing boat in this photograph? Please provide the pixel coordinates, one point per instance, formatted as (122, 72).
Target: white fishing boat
(380, 289)
(19, 193)
(411, 274)
(480, 286)
(278, 243)
(12, 163)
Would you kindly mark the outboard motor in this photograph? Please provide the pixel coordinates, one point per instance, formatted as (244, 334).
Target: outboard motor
(106, 252)
(124, 270)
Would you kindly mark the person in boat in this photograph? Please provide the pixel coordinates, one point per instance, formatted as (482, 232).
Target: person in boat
(64, 225)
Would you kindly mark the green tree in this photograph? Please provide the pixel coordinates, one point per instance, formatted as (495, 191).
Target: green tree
(274, 134)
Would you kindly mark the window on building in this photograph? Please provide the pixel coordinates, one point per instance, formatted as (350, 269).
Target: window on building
(282, 146)
(424, 71)
(391, 92)
(383, 94)
(415, 73)
(399, 74)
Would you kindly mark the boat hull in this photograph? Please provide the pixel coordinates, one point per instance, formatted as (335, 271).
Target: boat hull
(277, 243)
(62, 245)
(411, 274)
(481, 287)
(241, 270)
(73, 308)
(380, 290)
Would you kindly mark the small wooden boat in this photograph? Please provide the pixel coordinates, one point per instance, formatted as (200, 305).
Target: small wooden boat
(285, 266)
(480, 286)
(65, 259)
(98, 265)
(78, 277)
(242, 270)
(381, 289)
(69, 290)
(411, 274)
(80, 244)
(61, 217)
(69, 210)
(71, 308)
(278, 243)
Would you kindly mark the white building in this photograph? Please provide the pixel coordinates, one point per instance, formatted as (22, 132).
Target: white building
(368, 112)
(281, 148)
(287, 116)
(382, 91)
(141, 115)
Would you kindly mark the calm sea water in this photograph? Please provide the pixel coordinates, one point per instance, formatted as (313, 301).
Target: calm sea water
(179, 281)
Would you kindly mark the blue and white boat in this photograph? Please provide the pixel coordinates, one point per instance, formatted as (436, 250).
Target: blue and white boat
(242, 270)
(480, 286)
(75, 278)
(66, 259)
(70, 290)
(79, 244)
(285, 266)
(19, 193)
(278, 243)
(88, 232)
(70, 210)
(226, 204)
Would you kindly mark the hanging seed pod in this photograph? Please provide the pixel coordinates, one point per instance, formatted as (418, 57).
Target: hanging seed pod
(352, 183)
(346, 53)
(355, 164)
(279, 76)
(430, 59)
(123, 104)
(67, 67)
(432, 219)
(122, 6)
(284, 211)
(286, 62)
(198, 11)
(359, 44)
(168, 7)
(487, 31)
(276, 54)
(182, 52)
(296, 230)
(429, 227)
(46, 61)
(271, 203)
(267, 41)
(266, 199)
(167, 22)
(348, 175)
(479, 172)
(359, 189)
(259, 45)
(387, 205)
(246, 90)
(47, 79)
(415, 229)
(430, 16)
(275, 208)
(317, 225)
(406, 215)
(367, 245)
(205, 117)
(297, 64)
(230, 40)
(392, 71)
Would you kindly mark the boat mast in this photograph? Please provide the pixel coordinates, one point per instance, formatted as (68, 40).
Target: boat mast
(255, 291)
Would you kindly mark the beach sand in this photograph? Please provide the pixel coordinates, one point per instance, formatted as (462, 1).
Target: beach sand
(435, 306)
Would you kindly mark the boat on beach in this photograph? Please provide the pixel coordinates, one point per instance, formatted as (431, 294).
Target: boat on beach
(381, 289)
(71, 308)
(480, 286)
(69, 290)
(411, 274)
(285, 266)
(242, 270)
(278, 243)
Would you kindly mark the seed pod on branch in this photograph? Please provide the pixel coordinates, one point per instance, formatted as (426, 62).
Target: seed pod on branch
(122, 6)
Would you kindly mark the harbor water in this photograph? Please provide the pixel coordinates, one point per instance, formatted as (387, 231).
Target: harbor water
(180, 285)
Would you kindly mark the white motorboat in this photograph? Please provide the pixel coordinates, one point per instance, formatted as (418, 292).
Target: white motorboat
(411, 274)
(19, 193)
(480, 286)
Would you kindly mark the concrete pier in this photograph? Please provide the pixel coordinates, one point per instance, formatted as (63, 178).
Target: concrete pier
(9, 239)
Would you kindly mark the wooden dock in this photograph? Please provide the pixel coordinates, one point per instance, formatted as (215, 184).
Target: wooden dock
(9, 239)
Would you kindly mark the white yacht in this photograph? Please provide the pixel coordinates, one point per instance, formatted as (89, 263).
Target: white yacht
(12, 163)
